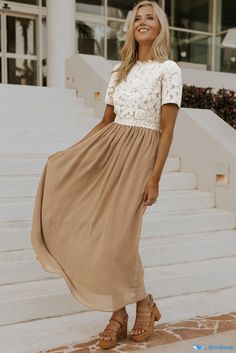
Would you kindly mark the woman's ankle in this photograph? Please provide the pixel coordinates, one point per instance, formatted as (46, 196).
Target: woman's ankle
(122, 310)
(144, 300)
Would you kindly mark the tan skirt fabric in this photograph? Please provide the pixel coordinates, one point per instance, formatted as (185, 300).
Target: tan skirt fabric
(88, 214)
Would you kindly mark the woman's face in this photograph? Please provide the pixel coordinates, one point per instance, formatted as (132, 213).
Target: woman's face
(146, 26)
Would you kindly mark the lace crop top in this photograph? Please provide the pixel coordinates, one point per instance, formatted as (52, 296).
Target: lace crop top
(138, 99)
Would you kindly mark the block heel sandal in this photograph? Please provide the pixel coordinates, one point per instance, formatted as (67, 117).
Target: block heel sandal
(146, 314)
(116, 330)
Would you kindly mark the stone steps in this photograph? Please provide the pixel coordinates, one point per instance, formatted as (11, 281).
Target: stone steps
(32, 163)
(187, 221)
(25, 92)
(41, 135)
(179, 250)
(42, 298)
(32, 336)
(27, 184)
(46, 116)
(20, 208)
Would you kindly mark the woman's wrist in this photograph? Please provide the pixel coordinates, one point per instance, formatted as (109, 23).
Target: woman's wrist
(154, 179)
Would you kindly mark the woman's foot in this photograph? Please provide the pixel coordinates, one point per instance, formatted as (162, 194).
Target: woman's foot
(115, 330)
(146, 313)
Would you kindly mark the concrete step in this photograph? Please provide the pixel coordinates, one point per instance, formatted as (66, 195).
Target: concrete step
(11, 92)
(25, 186)
(15, 235)
(20, 102)
(33, 163)
(172, 164)
(15, 267)
(11, 134)
(16, 209)
(178, 181)
(175, 250)
(191, 277)
(37, 299)
(22, 147)
(22, 165)
(20, 208)
(179, 248)
(34, 336)
(176, 200)
(62, 117)
(187, 221)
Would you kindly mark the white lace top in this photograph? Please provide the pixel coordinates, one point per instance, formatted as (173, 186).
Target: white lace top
(149, 84)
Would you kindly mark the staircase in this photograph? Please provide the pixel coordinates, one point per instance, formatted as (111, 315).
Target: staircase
(188, 246)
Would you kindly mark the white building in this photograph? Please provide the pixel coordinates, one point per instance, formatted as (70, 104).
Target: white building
(188, 237)
(37, 35)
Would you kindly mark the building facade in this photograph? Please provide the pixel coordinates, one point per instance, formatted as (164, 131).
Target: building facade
(198, 28)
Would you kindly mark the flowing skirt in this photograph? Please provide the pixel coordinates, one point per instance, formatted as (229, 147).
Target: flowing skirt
(88, 213)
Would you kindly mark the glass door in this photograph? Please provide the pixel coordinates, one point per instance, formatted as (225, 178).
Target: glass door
(0, 48)
(18, 45)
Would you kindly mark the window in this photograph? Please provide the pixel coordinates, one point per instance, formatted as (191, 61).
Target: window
(90, 38)
(194, 14)
(95, 7)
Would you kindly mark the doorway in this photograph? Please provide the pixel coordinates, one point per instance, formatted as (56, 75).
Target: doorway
(18, 47)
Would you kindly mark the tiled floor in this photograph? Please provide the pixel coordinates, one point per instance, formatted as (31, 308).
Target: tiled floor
(167, 333)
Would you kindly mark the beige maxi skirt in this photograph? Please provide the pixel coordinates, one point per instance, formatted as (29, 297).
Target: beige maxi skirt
(88, 214)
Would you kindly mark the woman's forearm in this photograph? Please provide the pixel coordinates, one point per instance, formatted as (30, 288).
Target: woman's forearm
(161, 155)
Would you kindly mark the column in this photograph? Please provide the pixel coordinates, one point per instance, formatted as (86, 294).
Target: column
(60, 39)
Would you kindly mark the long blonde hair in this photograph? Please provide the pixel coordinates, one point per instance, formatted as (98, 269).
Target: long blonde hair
(160, 46)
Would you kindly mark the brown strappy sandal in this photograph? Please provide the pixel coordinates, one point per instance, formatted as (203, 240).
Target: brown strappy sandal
(116, 329)
(146, 314)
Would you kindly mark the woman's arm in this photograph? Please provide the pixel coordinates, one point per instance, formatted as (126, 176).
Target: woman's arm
(108, 117)
(168, 117)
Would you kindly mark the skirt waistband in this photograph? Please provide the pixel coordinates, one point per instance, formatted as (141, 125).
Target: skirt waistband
(138, 122)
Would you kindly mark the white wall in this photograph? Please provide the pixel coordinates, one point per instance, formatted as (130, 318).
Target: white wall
(206, 145)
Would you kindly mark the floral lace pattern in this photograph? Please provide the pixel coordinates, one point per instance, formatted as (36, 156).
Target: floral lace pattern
(137, 100)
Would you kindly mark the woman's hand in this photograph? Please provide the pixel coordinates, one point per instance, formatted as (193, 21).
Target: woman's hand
(151, 192)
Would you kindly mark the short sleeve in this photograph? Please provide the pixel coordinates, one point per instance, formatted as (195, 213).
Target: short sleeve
(171, 83)
(111, 87)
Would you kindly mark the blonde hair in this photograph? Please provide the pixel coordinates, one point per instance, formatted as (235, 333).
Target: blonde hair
(160, 46)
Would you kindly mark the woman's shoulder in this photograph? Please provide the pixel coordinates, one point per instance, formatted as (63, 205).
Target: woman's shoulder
(115, 67)
(170, 66)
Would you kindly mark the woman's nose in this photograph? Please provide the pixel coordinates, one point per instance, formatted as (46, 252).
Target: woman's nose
(142, 23)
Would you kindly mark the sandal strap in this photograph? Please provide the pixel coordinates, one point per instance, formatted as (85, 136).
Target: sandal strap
(144, 315)
(142, 325)
(119, 318)
(109, 332)
(143, 310)
(115, 323)
(142, 320)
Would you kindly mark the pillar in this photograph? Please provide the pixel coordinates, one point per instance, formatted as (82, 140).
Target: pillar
(60, 39)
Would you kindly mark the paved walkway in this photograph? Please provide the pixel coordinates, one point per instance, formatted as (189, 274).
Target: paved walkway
(220, 342)
(176, 337)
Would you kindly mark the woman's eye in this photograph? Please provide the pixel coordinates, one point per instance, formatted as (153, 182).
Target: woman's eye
(137, 18)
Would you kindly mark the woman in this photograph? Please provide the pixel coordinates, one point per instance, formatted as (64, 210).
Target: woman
(92, 196)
